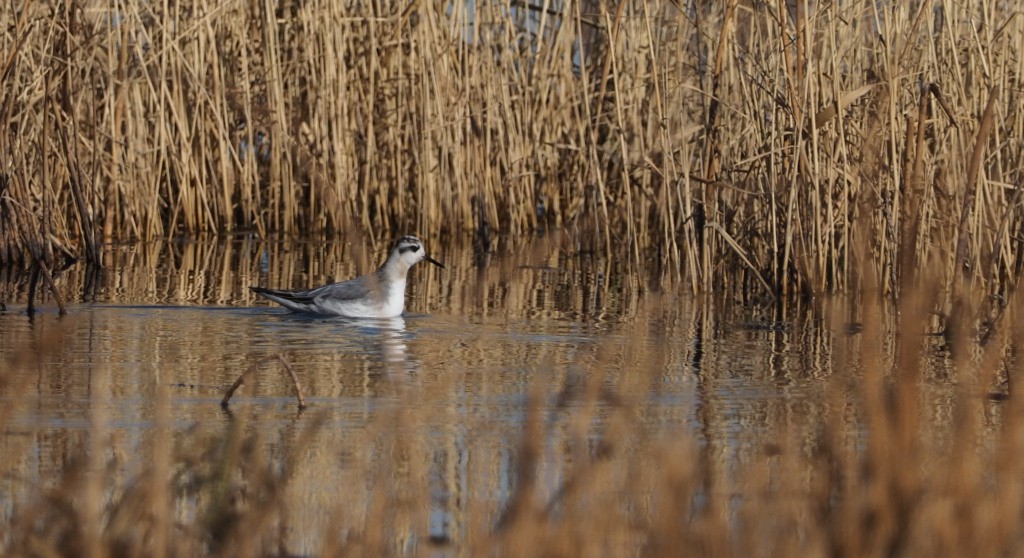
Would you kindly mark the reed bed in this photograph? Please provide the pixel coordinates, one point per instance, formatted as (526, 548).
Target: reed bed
(729, 143)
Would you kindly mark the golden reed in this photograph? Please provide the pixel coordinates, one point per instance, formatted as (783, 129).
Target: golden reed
(730, 143)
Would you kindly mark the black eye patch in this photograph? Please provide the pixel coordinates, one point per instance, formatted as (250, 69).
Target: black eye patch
(410, 248)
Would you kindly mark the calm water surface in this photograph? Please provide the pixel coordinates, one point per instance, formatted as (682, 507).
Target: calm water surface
(171, 326)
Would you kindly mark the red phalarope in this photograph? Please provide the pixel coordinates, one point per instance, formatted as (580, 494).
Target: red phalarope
(380, 294)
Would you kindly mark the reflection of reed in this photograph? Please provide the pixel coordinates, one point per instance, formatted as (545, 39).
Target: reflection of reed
(545, 404)
(538, 278)
(679, 426)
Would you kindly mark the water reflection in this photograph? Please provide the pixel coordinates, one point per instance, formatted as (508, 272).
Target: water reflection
(429, 414)
(381, 339)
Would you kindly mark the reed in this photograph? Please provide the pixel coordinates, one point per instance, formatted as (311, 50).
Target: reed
(729, 143)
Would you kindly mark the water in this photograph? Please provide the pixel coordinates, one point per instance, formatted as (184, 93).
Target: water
(434, 406)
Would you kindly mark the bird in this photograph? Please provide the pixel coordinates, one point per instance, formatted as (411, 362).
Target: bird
(380, 294)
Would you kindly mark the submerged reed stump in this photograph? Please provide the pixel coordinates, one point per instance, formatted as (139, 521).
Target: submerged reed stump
(241, 378)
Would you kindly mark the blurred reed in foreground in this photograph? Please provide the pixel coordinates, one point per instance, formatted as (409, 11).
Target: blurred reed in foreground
(914, 476)
(735, 143)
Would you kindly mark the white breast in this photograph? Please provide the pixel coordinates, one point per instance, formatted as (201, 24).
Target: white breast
(394, 300)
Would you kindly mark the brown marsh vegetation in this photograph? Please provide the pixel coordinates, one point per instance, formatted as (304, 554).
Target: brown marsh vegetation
(790, 147)
(741, 142)
(911, 446)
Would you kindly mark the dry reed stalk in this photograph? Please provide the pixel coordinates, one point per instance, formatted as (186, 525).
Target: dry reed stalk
(961, 261)
(133, 121)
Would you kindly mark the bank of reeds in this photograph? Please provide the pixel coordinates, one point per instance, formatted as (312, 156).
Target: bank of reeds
(736, 142)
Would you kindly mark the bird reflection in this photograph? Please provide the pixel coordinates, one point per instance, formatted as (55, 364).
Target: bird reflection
(379, 343)
(391, 335)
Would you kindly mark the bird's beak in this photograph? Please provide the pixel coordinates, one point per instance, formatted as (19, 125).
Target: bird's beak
(433, 261)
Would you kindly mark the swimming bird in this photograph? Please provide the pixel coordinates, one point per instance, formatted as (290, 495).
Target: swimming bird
(380, 294)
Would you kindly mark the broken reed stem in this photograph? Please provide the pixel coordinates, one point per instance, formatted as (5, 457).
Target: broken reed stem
(41, 270)
(295, 382)
(241, 379)
(973, 175)
(961, 259)
(44, 270)
(33, 282)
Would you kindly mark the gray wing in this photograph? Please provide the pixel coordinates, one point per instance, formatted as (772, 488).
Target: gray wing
(346, 290)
